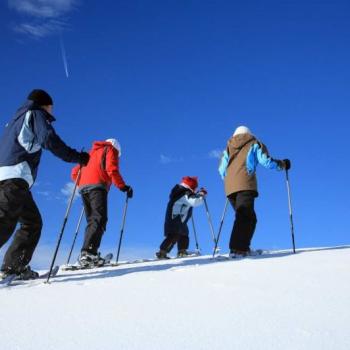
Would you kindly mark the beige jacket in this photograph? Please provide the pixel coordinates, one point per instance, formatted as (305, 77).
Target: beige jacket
(237, 177)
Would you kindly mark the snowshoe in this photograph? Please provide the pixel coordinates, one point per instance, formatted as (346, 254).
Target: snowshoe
(27, 274)
(4, 275)
(238, 254)
(87, 259)
(23, 273)
(162, 255)
(183, 253)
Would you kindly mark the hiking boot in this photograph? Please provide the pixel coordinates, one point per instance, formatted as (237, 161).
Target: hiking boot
(87, 259)
(27, 274)
(236, 254)
(162, 254)
(5, 274)
(22, 273)
(183, 253)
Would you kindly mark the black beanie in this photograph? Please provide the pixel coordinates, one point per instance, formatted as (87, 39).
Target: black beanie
(41, 97)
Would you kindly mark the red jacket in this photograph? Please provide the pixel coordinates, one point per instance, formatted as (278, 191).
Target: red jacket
(102, 168)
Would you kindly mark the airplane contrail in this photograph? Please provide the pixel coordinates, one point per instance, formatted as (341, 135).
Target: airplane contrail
(64, 57)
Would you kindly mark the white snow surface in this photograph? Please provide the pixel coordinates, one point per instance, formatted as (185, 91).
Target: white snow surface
(276, 301)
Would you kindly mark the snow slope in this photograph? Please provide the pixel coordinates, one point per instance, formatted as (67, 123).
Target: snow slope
(276, 301)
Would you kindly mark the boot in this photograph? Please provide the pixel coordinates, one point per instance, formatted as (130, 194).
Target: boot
(4, 274)
(23, 273)
(87, 259)
(162, 254)
(27, 274)
(237, 254)
(182, 253)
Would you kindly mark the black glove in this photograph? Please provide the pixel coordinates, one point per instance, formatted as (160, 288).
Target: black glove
(202, 191)
(287, 164)
(284, 164)
(83, 158)
(129, 191)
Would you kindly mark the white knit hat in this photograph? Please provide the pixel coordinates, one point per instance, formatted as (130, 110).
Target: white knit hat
(242, 130)
(115, 143)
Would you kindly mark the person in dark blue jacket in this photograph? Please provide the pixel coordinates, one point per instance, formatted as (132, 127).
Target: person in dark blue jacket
(21, 144)
(182, 199)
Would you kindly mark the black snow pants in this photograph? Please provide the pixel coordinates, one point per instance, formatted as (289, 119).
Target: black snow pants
(17, 206)
(171, 239)
(95, 204)
(245, 221)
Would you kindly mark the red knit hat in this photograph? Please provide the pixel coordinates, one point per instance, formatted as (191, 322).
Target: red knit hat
(190, 181)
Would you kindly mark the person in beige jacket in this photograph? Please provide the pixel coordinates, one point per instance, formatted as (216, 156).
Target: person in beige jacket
(238, 169)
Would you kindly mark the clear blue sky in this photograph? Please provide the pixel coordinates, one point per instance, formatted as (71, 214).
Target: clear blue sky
(172, 80)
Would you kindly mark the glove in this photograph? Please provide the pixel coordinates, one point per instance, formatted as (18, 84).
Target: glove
(287, 164)
(284, 164)
(202, 191)
(129, 191)
(83, 158)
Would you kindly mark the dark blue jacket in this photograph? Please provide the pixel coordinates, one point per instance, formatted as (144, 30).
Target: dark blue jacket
(25, 135)
(179, 210)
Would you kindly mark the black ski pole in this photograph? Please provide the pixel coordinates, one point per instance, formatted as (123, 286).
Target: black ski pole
(220, 228)
(290, 210)
(209, 220)
(76, 234)
(64, 225)
(195, 235)
(122, 228)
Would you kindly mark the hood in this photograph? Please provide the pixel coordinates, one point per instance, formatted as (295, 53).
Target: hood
(100, 144)
(31, 106)
(239, 141)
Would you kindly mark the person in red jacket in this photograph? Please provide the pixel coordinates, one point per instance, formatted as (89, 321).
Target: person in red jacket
(94, 182)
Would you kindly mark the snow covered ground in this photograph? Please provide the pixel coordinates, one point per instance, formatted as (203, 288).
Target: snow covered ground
(276, 301)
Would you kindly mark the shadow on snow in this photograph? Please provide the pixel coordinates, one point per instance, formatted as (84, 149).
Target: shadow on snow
(173, 264)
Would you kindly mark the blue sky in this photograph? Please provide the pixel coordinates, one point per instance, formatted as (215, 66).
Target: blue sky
(172, 80)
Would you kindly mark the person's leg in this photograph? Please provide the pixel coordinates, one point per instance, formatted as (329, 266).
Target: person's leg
(232, 199)
(95, 204)
(183, 240)
(166, 246)
(183, 243)
(26, 238)
(245, 221)
(87, 210)
(169, 242)
(12, 196)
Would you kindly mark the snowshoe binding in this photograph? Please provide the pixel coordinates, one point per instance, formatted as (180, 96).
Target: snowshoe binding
(162, 255)
(87, 260)
(183, 253)
(238, 254)
(23, 274)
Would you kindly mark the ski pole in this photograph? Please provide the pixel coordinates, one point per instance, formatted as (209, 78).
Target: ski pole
(122, 228)
(76, 234)
(195, 234)
(209, 220)
(64, 224)
(290, 211)
(220, 228)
